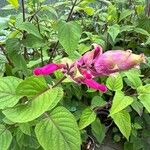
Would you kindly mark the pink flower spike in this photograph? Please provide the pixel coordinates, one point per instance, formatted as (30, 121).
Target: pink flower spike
(47, 69)
(94, 85)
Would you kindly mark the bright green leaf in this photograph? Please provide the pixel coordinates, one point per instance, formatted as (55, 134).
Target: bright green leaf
(25, 128)
(114, 31)
(115, 82)
(5, 138)
(58, 131)
(133, 77)
(33, 109)
(69, 35)
(144, 96)
(120, 101)
(32, 86)
(87, 117)
(14, 3)
(123, 121)
(89, 10)
(8, 95)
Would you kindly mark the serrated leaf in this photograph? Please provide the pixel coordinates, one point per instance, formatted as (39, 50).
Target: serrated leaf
(8, 95)
(133, 77)
(14, 3)
(123, 121)
(32, 86)
(33, 109)
(115, 82)
(114, 31)
(58, 131)
(5, 138)
(69, 35)
(98, 130)
(125, 13)
(144, 96)
(87, 117)
(120, 102)
(30, 28)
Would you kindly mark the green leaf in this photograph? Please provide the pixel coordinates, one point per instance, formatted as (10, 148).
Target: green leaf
(19, 62)
(58, 131)
(8, 96)
(123, 121)
(114, 31)
(126, 28)
(33, 109)
(97, 101)
(137, 106)
(141, 31)
(32, 41)
(25, 128)
(32, 86)
(4, 22)
(69, 35)
(148, 41)
(13, 46)
(98, 130)
(89, 10)
(30, 28)
(120, 101)
(144, 96)
(133, 77)
(14, 3)
(87, 117)
(115, 82)
(125, 13)
(5, 138)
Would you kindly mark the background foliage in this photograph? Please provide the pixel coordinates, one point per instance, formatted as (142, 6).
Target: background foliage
(34, 113)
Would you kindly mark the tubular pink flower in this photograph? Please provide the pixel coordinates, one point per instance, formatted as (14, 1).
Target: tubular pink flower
(94, 85)
(47, 69)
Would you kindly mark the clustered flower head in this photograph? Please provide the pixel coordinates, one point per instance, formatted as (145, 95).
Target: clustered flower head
(94, 63)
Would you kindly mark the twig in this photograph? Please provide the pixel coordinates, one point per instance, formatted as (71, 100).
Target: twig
(34, 14)
(8, 59)
(24, 32)
(68, 19)
(59, 81)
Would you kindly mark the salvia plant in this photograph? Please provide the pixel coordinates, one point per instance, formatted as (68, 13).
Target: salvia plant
(74, 75)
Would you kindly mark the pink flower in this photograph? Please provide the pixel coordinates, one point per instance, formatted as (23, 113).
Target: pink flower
(93, 63)
(94, 85)
(115, 61)
(47, 69)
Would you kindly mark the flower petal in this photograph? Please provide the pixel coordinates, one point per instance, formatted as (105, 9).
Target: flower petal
(47, 69)
(94, 85)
